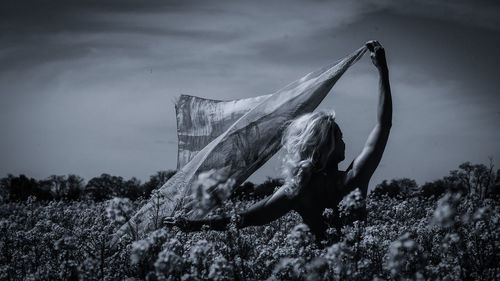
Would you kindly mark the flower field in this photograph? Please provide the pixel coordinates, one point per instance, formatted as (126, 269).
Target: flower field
(446, 230)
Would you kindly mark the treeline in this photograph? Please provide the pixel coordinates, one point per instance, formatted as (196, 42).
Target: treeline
(104, 187)
(477, 179)
(474, 179)
(73, 187)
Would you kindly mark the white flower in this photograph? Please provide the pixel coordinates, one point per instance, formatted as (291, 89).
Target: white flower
(119, 210)
(211, 189)
(351, 203)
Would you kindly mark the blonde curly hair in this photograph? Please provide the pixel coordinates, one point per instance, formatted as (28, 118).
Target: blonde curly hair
(304, 140)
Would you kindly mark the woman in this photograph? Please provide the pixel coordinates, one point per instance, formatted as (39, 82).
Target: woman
(314, 147)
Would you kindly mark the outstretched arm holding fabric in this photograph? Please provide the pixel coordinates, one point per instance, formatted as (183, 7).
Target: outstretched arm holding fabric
(263, 212)
(365, 164)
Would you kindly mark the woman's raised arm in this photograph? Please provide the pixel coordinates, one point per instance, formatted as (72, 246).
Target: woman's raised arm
(365, 164)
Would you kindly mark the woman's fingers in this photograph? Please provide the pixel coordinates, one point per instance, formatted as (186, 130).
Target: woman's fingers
(369, 45)
(169, 221)
(377, 53)
(372, 45)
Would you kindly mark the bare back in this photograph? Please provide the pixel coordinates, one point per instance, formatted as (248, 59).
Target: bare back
(324, 190)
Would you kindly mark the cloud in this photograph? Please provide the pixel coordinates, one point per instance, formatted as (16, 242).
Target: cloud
(483, 13)
(34, 32)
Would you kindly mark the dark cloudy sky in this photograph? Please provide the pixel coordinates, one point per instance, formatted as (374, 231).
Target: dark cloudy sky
(89, 86)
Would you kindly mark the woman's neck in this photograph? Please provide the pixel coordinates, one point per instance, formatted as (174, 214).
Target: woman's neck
(332, 166)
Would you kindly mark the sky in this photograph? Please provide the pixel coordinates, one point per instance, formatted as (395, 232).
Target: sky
(89, 86)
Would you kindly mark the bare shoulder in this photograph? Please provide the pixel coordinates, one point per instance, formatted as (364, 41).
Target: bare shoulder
(347, 177)
(349, 181)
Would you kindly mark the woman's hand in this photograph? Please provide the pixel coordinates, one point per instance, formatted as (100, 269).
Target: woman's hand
(377, 54)
(180, 222)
